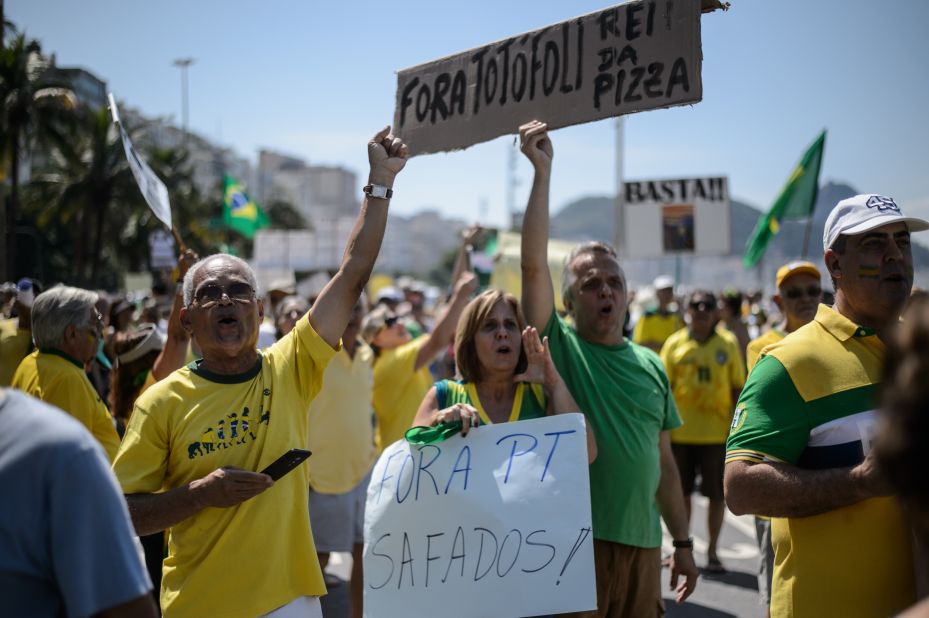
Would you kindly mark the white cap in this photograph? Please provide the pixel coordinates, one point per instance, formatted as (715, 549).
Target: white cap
(863, 213)
(663, 282)
(389, 293)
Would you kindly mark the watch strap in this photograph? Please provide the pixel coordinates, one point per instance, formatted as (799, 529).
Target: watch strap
(378, 191)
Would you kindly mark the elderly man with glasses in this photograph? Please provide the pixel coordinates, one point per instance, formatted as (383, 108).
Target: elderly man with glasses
(239, 542)
(67, 328)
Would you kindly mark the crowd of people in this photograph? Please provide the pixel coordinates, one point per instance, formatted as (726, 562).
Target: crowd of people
(130, 440)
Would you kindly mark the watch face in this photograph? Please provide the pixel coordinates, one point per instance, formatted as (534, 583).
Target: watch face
(379, 191)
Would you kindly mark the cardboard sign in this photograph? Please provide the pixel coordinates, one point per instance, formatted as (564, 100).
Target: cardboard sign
(671, 217)
(464, 527)
(628, 58)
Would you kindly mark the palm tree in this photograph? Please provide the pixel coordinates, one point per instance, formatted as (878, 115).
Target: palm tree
(86, 176)
(31, 110)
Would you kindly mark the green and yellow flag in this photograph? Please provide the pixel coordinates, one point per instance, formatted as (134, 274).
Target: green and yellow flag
(796, 201)
(239, 211)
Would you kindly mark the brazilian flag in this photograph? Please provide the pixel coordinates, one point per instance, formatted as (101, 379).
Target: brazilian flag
(796, 201)
(239, 211)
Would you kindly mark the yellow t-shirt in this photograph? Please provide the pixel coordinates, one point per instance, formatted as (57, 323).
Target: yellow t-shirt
(14, 347)
(398, 390)
(248, 559)
(58, 379)
(341, 423)
(655, 328)
(702, 378)
(755, 346)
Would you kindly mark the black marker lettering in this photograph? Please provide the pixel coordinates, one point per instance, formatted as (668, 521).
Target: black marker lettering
(530, 543)
(442, 84)
(678, 76)
(653, 83)
(459, 534)
(480, 553)
(565, 86)
(406, 100)
(422, 103)
(459, 92)
(407, 559)
(429, 556)
(550, 72)
(633, 23)
(389, 559)
(636, 74)
(520, 76)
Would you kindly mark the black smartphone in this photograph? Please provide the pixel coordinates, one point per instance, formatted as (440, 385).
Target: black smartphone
(286, 462)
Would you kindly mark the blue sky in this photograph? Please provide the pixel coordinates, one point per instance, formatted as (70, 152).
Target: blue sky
(316, 79)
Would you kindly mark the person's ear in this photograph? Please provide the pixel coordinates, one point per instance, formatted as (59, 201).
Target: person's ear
(261, 310)
(833, 264)
(779, 301)
(185, 321)
(70, 333)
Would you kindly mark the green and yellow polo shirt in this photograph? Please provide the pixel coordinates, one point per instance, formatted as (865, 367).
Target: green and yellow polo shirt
(809, 402)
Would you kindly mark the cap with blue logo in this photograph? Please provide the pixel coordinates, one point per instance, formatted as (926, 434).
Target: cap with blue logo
(863, 213)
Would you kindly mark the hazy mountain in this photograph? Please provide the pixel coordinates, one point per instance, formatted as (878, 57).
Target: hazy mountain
(591, 218)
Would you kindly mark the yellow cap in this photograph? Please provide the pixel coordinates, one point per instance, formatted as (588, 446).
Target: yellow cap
(793, 268)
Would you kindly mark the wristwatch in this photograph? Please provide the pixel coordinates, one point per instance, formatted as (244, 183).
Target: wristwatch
(687, 543)
(378, 191)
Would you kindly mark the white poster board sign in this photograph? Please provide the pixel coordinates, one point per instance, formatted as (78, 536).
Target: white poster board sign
(673, 217)
(470, 526)
(153, 189)
(628, 58)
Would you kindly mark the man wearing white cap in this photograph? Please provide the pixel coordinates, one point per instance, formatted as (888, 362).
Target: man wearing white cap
(799, 446)
(655, 326)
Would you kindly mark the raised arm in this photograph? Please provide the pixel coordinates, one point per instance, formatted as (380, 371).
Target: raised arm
(538, 297)
(463, 259)
(445, 326)
(330, 313)
(174, 353)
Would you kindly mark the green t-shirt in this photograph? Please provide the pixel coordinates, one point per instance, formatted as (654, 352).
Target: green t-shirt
(624, 392)
(528, 403)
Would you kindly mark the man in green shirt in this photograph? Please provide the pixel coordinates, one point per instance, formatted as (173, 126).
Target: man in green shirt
(623, 391)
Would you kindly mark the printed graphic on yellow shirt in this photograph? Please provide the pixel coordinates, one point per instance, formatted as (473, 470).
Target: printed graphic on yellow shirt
(230, 431)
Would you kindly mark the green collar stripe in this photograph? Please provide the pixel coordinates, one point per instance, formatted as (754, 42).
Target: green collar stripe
(222, 378)
(64, 355)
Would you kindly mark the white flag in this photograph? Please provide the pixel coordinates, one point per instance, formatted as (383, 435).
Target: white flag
(153, 190)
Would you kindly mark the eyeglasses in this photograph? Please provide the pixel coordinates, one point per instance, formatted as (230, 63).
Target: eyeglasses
(209, 295)
(389, 322)
(96, 324)
(702, 306)
(814, 291)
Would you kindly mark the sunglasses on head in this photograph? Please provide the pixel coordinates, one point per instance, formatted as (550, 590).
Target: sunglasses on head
(814, 291)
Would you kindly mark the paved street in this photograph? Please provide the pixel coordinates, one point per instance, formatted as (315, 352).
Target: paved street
(717, 596)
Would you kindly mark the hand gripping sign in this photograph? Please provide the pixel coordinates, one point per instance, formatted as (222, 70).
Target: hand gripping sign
(466, 526)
